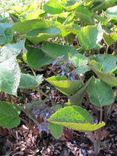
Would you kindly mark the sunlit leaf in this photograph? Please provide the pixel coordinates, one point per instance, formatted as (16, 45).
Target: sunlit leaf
(64, 85)
(53, 7)
(76, 118)
(89, 37)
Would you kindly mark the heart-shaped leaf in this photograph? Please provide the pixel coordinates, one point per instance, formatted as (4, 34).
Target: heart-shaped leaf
(29, 82)
(36, 58)
(39, 35)
(76, 118)
(9, 115)
(106, 77)
(100, 93)
(64, 85)
(80, 62)
(56, 50)
(89, 37)
(107, 61)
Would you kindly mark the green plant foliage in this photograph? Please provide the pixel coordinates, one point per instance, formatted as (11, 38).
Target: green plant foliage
(9, 76)
(85, 16)
(100, 93)
(56, 50)
(36, 58)
(64, 85)
(89, 37)
(106, 77)
(29, 25)
(29, 82)
(9, 115)
(6, 34)
(78, 96)
(80, 62)
(56, 130)
(76, 118)
(39, 35)
(107, 61)
(81, 34)
(51, 8)
(112, 12)
(9, 68)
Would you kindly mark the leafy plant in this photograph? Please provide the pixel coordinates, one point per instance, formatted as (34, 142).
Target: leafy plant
(75, 31)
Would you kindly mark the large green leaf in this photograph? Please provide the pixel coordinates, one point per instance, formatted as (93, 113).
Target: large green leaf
(9, 115)
(89, 37)
(28, 25)
(39, 35)
(53, 7)
(36, 58)
(76, 118)
(100, 93)
(9, 76)
(56, 50)
(11, 50)
(6, 34)
(107, 61)
(28, 81)
(106, 77)
(80, 62)
(112, 12)
(85, 16)
(64, 85)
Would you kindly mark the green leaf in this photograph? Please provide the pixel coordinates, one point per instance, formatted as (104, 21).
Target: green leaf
(76, 118)
(89, 37)
(109, 78)
(100, 93)
(71, 5)
(53, 7)
(9, 115)
(80, 62)
(64, 85)
(78, 96)
(28, 25)
(56, 50)
(84, 15)
(11, 50)
(9, 76)
(39, 35)
(55, 130)
(36, 58)
(6, 34)
(71, 114)
(28, 81)
(112, 12)
(108, 39)
(107, 61)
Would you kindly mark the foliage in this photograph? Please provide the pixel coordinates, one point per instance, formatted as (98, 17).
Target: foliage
(73, 30)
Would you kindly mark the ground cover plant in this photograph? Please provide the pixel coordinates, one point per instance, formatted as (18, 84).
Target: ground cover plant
(78, 36)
